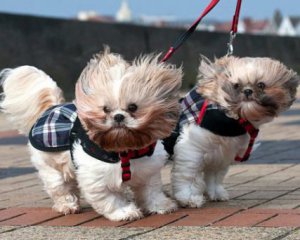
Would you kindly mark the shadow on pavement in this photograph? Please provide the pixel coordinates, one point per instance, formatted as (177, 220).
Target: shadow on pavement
(15, 171)
(19, 140)
(291, 112)
(284, 152)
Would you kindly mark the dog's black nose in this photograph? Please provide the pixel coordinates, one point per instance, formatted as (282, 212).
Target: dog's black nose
(119, 118)
(248, 92)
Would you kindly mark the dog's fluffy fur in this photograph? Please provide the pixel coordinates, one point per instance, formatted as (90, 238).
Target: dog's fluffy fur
(202, 158)
(145, 93)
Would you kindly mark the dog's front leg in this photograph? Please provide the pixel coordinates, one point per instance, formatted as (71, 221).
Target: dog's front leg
(187, 181)
(151, 198)
(58, 178)
(102, 188)
(214, 183)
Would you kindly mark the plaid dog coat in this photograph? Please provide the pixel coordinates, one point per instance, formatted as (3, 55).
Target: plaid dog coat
(51, 132)
(59, 127)
(214, 118)
(210, 117)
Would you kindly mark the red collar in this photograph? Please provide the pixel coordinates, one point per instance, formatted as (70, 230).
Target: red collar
(253, 132)
(126, 156)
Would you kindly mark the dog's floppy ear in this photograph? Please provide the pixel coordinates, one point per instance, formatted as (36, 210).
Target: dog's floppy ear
(209, 70)
(3, 75)
(206, 68)
(212, 76)
(292, 84)
(158, 78)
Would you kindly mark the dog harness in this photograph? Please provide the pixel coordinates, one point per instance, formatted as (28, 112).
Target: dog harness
(196, 109)
(59, 127)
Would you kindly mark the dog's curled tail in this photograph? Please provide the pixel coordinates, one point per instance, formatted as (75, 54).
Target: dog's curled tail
(27, 93)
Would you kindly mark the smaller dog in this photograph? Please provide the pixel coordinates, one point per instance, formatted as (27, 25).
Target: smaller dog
(113, 129)
(220, 119)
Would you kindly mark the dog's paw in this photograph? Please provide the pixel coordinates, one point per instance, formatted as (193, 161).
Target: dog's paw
(162, 206)
(218, 193)
(192, 201)
(68, 204)
(127, 213)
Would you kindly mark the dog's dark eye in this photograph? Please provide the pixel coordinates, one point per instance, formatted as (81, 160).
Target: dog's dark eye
(132, 107)
(236, 86)
(106, 109)
(261, 85)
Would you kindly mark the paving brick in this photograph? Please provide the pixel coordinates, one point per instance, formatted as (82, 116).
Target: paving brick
(262, 194)
(235, 171)
(10, 133)
(72, 219)
(156, 220)
(244, 219)
(272, 211)
(41, 202)
(103, 222)
(17, 181)
(282, 220)
(31, 217)
(204, 218)
(280, 204)
(235, 203)
(262, 187)
(208, 210)
(291, 197)
(27, 187)
(235, 194)
(198, 220)
(10, 213)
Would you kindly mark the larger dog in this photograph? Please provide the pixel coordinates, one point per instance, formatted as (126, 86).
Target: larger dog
(113, 128)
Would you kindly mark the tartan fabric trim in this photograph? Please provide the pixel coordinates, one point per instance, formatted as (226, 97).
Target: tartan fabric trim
(52, 130)
(191, 105)
(213, 117)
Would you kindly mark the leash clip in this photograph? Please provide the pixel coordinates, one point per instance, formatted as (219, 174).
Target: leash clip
(232, 36)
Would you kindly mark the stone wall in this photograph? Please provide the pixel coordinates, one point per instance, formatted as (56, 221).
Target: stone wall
(62, 47)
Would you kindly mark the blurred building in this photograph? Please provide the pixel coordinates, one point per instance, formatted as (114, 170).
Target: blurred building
(124, 14)
(290, 26)
(246, 25)
(277, 25)
(94, 16)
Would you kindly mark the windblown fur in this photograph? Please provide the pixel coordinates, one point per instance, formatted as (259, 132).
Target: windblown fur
(149, 85)
(225, 80)
(256, 89)
(27, 93)
(122, 106)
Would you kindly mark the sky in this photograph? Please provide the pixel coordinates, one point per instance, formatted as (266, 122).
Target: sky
(179, 9)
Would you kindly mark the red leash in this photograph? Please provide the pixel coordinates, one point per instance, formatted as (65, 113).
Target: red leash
(234, 27)
(182, 38)
(235, 20)
(202, 112)
(127, 156)
(253, 132)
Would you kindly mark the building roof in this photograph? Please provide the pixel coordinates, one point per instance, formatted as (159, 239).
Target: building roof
(295, 20)
(249, 25)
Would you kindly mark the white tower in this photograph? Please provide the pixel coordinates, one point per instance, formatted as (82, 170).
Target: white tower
(124, 13)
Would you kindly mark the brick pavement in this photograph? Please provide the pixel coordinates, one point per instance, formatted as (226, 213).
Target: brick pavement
(265, 192)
